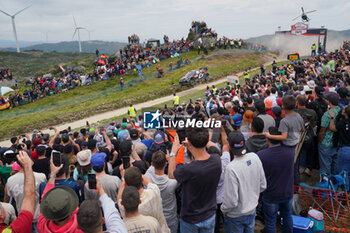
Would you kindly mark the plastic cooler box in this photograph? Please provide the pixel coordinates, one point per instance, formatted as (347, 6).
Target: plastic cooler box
(317, 218)
(301, 225)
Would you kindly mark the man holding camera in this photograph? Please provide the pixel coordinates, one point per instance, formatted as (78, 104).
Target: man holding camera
(109, 183)
(199, 181)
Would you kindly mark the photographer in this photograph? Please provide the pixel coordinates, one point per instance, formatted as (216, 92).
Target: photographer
(129, 157)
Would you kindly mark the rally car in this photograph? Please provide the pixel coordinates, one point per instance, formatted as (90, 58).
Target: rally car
(194, 76)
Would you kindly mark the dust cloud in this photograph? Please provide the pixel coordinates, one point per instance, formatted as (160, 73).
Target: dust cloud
(286, 44)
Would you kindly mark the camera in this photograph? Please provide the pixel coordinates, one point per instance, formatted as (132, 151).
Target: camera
(64, 132)
(308, 92)
(20, 146)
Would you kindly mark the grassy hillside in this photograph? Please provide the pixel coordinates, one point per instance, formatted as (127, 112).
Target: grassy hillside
(105, 96)
(27, 64)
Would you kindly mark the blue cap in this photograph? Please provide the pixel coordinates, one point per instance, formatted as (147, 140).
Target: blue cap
(237, 119)
(159, 137)
(98, 159)
(84, 144)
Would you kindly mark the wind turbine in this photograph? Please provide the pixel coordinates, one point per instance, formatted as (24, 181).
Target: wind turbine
(88, 31)
(13, 24)
(77, 29)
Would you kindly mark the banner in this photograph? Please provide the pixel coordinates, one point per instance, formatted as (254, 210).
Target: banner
(5, 105)
(299, 28)
(294, 56)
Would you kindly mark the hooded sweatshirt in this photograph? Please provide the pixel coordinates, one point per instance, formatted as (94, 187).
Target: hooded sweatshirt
(256, 143)
(167, 192)
(48, 226)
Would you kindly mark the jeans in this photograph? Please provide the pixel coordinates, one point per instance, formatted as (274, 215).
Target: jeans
(243, 224)
(328, 160)
(270, 213)
(206, 226)
(344, 164)
(306, 156)
(313, 53)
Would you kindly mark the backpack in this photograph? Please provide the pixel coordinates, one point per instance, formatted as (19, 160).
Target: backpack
(308, 127)
(335, 137)
(320, 109)
(154, 147)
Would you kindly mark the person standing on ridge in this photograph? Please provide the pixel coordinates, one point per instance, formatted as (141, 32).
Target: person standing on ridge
(313, 50)
(132, 112)
(121, 81)
(176, 100)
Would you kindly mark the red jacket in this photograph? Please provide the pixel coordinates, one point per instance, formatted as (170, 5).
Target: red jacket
(48, 226)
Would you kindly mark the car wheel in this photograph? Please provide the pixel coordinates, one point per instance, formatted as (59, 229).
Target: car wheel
(191, 82)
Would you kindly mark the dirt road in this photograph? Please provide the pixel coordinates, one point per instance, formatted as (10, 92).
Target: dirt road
(122, 111)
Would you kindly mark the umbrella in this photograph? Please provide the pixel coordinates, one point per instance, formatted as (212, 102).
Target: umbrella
(4, 90)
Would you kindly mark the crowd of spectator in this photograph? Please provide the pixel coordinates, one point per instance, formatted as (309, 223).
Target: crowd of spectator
(133, 39)
(202, 29)
(134, 57)
(192, 179)
(5, 73)
(134, 54)
(47, 85)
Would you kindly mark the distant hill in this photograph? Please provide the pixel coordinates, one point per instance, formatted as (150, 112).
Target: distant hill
(107, 47)
(334, 40)
(12, 43)
(28, 63)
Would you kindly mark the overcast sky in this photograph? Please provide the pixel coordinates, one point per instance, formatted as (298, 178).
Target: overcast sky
(114, 20)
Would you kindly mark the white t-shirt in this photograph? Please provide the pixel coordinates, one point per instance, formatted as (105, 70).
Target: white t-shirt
(15, 189)
(142, 223)
(151, 205)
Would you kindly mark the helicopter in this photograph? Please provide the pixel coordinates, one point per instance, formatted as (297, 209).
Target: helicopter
(303, 16)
